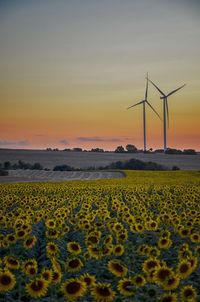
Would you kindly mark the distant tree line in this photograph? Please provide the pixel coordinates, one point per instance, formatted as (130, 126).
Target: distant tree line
(130, 149)
(132, 164)
(20, 165)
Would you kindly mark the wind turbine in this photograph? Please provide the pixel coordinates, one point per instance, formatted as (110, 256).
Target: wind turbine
(144, 102)
(165, 109)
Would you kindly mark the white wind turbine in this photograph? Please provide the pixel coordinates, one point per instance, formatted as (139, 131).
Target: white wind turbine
(165, 109)
(144, 102)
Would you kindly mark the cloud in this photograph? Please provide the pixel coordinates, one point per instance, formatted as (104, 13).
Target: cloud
(24, 142)
(64, 142)
(99, 139)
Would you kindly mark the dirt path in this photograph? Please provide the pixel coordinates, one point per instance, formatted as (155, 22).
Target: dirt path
(36, 175)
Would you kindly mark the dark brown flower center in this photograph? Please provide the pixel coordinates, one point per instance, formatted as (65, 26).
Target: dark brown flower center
(184, 268)
(151, 264)
(103, 291)
(188, 292)
(73, 287)
(87, 281)
(29, 241)
(163, 274)
(118, 267)
(74, 263)
(12, 261)
(126, 284)
(5, 280)
(74, 247)
(37, 285)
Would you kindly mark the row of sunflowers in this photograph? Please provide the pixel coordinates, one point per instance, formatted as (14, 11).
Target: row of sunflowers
(104, 241)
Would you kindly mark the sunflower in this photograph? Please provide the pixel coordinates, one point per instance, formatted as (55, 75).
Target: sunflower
(102, 292)
(195, 237)
(50, 223)
(88, 279)
(172, 297)
(21, 234)
(188, 294)
(172, 282)
(73, 289)
(11, 262)
(139, 280)
(108, 239)
(31, 271)
(92, 239)
(118, 250)
(52, 249)
(152, 225)
(30, 242)
(11, 238)
(122, 236)
(193, 262)
(29, 262)
(74, 248)
(7, 280)
(107, 250)
(162, 274)
(117, 268)
(47, 274)
(184, 269)
(94, 252)
(126, 287)
(37, 288)
(74, 265)
(56, 276)
(150, 265)
(154, 252)
(164, 243)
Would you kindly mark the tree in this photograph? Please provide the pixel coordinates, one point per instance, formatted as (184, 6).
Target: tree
(119, 149)
(78, 149)
(131, 148)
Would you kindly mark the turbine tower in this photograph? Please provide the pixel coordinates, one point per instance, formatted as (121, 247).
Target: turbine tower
(165, 109)
(144, 102)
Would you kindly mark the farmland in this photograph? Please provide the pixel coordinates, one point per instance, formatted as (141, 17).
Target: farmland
(127, 239)
(49, 159)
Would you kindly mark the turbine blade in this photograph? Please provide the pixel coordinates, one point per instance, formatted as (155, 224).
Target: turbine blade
(156, 87)
(175, 90)
(146, 92)
(154, 110)
(167, 107)
(135, 104)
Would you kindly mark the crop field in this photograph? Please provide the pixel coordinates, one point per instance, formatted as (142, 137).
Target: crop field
(129, 239)
(49, 159)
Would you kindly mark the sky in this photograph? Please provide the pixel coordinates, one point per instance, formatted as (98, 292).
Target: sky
(69, 70)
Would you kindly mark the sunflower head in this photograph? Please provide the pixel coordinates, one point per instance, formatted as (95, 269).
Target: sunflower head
(73, 289)
(37, 288)
(126, 287)
(7, 280)
(172, 297)
(88, 279)
(74, 248)
(74, 265)
(11, 262)
(117, 268)
(184, 269)
(102, 292)
(188, 293)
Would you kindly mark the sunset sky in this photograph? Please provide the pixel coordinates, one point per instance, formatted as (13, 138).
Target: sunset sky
(69, 69)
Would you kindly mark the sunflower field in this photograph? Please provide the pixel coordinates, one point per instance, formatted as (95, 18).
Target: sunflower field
(132, 239)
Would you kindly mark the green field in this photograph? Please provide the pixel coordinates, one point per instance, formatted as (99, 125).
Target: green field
(129, 239)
